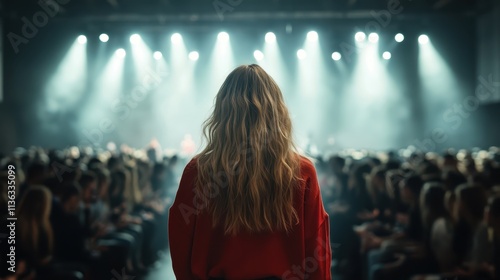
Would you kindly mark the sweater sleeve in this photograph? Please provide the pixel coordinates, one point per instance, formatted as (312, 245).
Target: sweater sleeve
(181, 223)
(318, 255)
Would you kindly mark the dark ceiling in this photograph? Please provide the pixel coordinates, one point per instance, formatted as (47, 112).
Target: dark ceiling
(194, 10)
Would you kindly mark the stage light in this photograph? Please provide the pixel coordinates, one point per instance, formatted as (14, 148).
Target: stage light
(71, 72)
(386, 55)
(336, 56)
(157, 55)
(360, 36)
(270, 37)
(258, 55)
(223, 37)
(176, 38)
(104, 37)
(301, 54)
(194, 55)
(312, 36)
(373, 37)
(423, 39)
(399, 37)
(121, 52)
(135, 38)
(82, 39)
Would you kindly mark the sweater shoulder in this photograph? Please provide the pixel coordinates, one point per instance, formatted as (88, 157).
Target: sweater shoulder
(307, 167)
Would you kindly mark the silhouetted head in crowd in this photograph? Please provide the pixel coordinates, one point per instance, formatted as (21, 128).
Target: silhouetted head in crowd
(429, 172)
(88, 185)
(173, 160)
(114, 163)
(449, 161)
(452, 179)
(432, 204)
(36, 173)
(392, 164)
(68, 172)
(337, 164)
(70, 198)
(117, 188)
(470, 204)
(95, 163)
(488, 165)
(377, 179)
(152, 154)
(393, 179)
(357, 175)
(410, 188)
(103, 181)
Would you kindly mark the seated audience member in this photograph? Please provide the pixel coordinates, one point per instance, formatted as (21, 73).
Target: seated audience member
(468, 217)
(35, 175)
(467, 248)
(357, 197)
(69, 229)
(380, 199)
(396, 248)
(36, 240)
(433, 212)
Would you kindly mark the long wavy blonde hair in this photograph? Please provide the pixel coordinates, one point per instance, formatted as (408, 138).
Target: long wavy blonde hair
(249, 169)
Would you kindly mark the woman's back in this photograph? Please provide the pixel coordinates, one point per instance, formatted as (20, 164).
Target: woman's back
(200, 251)
(248, 206)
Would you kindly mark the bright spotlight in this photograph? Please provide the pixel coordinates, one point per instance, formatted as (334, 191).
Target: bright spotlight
(157, 55)
(423, 39)
(223, 37)
(386, 55)
(373, 37)
(194, 55)
(301, 54)
(82, 39)
(312, 36)
(176, 38)
(399, 37)
(104, 37)
(258, 55)
(135, 38)
(270, 37)
(121, 52)
(360, 36)
(336, 56)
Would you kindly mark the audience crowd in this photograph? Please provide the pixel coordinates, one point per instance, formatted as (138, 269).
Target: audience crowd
(86, 214)
(411, 215)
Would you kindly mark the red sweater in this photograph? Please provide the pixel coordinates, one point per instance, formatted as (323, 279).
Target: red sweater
(200, 251)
